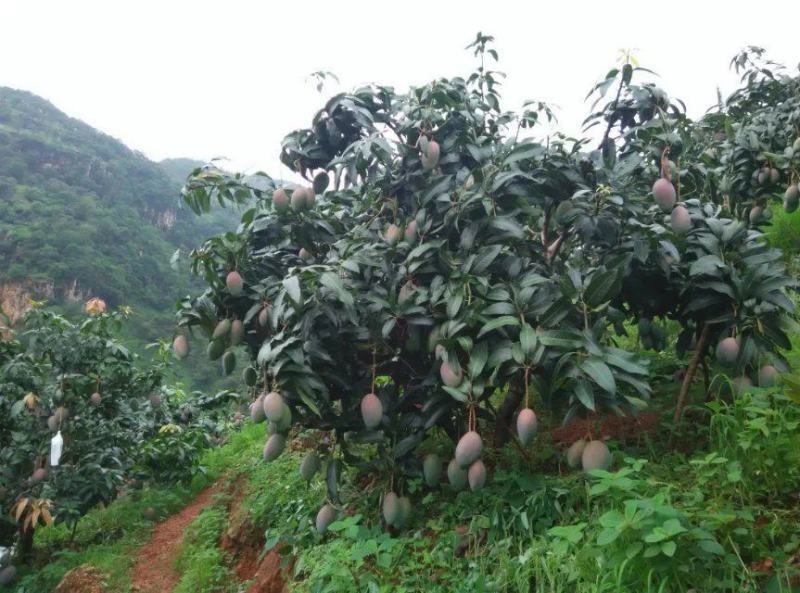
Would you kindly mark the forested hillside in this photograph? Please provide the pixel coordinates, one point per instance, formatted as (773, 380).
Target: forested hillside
(82, 215)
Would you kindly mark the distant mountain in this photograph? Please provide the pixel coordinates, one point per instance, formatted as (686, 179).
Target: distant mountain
(82, 215)
(179, 168)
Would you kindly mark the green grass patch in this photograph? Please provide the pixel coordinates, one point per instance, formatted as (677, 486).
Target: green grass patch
(203, 566)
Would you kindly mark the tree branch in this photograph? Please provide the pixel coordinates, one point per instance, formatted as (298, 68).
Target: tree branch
(699, 353)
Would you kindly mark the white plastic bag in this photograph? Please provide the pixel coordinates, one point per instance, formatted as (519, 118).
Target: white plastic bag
(56, 444)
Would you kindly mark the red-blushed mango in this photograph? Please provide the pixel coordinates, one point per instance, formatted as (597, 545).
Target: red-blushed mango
(257, 413)
(280, 201)
(527, 425)
(774, 175)
(432, 469)
(222, 329)
(791, 198)
(371, 410)
(477, 476)
(680, 220)
(155, 400)
(727, 351)
(180, 347)
(390, 508)
(263, 316)
(7, 575)
(309, 466)
(763, 176)
(61, 414)
(39, 475)
(311, 198)
(274, 447)
(304, 254)
(392, 234)
(456, 475)
(664, 194)
(237, 331)
(451, 374)
(411, 231)
(430, 157)
(96, 398)
(403, 511)
(298, 200)
(574, 453)
(595, 456)
(469, 448)
(325, 516)
(285, 423)
(756, 214)
(273, 406)
(52, 424)
(234, 283)
(767, 376)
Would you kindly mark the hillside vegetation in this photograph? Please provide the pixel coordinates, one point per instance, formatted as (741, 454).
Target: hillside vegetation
(83, 215)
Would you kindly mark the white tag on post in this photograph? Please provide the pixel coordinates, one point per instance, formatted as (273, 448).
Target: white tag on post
(56, 443)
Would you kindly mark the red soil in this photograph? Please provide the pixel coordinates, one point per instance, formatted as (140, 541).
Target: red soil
(154, 571)
(620, 428)
(83, 579)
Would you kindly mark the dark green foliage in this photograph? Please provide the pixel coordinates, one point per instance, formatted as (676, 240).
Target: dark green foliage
(61, 364)
(500, 280)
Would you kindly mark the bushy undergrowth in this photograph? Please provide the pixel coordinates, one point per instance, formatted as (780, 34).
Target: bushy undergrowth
(712, 520)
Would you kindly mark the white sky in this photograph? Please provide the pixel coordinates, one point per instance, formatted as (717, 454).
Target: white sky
(229, 78)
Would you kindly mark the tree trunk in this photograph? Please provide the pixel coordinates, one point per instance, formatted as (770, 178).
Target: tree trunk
(699, 354)
(25, 543)
(505, 415)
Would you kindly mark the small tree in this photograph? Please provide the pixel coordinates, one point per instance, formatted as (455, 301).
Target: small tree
(439, 256)
(77, 379)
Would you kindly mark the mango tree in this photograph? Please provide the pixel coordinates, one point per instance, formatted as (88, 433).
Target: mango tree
(440, 269)
(74, 379)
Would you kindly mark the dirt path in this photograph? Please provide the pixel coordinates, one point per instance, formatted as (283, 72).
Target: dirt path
(154, 571)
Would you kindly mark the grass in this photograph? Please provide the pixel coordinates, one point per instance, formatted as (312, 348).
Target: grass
(707, 516)
(203, 566)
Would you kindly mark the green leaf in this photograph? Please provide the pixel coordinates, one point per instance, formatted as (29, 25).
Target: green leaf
(527, 339)
(602, 287)
(498, 322)
(561, 339)
(332, 281)
(485, 257)
(706, 265)
(584, 393)
(668, 548)
(477, 359)
(456, 393)
(292, 286)
(600, 373)
(607, 536)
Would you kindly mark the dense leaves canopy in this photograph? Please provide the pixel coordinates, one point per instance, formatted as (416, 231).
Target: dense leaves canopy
(451, 255)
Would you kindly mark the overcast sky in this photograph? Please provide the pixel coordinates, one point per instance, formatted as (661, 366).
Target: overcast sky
(230, 78)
